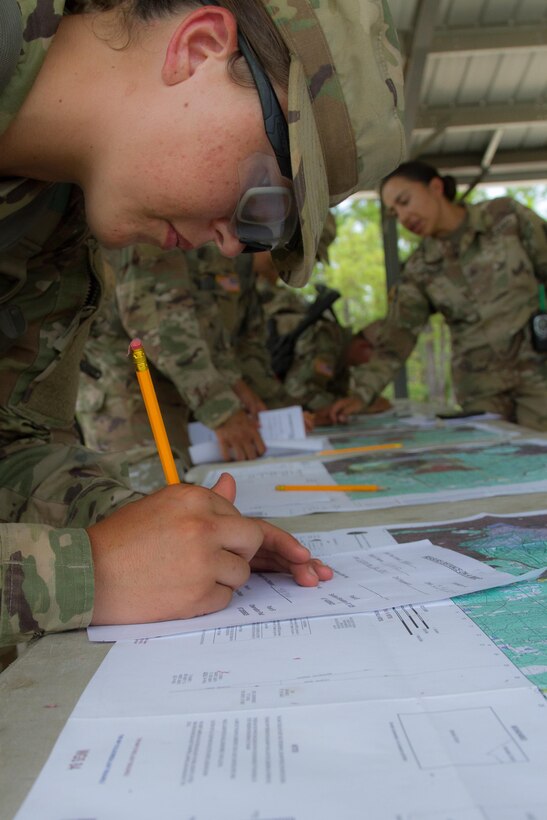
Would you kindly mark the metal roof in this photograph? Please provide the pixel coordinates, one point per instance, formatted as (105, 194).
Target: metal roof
(476, 86)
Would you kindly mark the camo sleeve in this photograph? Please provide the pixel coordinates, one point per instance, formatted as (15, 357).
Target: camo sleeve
(408, 313)
(46, 581)
(533, 231)
(251, 352)
(155, 300)
(316, 364)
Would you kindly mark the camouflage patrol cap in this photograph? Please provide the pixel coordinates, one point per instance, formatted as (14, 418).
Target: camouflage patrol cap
(345, 109)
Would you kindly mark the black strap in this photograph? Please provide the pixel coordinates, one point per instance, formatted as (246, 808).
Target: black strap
(282, 347)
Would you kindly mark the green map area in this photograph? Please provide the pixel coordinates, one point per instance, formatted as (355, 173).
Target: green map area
(404, 473)
(368, 424)
(415, 436)
(513, 617)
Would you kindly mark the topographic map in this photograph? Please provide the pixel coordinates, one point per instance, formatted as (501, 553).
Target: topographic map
(416, 437)
(514, 617)
(446, 469)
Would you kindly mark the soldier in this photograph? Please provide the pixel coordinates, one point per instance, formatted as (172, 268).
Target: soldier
(481, 266)
(324, 354)
(202, 326)
(158, 130)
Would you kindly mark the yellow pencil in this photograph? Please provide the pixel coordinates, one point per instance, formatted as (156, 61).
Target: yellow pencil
(363, 449)
(154, 413)
(346, 488)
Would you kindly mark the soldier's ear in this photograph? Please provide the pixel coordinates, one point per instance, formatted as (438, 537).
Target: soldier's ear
(205, 33)
(436, 187)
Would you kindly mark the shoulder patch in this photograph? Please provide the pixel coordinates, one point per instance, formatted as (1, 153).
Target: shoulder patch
(323, 368)
(228, 282)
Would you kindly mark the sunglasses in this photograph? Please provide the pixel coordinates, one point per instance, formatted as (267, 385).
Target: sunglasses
(266, 216)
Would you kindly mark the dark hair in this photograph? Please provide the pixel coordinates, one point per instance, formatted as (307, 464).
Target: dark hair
(422, 172)
(252, 19)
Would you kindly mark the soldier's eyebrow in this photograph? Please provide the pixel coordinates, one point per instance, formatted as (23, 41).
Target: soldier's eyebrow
(397, 201)
(401, 195)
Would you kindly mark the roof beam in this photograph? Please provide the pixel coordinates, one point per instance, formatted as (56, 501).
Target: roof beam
(422, 35)
(533, 156)
(481, 117)
(482, 39)
(486, 162)
(530, 164)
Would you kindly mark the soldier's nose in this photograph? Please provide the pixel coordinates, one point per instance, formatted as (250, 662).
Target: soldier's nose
(227, 243)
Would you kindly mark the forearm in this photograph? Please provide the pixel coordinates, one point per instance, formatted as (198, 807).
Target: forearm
(46, 581)
(220, 405)
(370, 379)
(533, 231)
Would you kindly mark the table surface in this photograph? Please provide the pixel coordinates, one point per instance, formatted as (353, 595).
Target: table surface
(40, 689)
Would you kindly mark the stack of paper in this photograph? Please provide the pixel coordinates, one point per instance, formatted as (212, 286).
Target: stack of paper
(283, 431)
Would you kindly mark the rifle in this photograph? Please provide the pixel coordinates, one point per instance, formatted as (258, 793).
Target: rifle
(281, 347)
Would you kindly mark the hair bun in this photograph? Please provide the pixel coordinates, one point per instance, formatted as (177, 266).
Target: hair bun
(449, 187)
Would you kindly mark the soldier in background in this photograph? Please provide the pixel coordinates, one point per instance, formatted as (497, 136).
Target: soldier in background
(202, 325)
(321, 361)
(482, 266)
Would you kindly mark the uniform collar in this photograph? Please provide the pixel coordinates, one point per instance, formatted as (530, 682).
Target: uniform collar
(434, 248)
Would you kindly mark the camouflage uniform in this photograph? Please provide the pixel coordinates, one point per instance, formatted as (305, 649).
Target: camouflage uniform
(153, 300)
(233, 321)
(318, 374)
(484, 280)
(202, 327)
(50, 487)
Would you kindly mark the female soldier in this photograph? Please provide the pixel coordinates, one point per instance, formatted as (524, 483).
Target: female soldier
(481, 266)
(166, 121)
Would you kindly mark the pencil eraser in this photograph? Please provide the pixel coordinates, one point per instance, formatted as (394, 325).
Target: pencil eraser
(135, 344)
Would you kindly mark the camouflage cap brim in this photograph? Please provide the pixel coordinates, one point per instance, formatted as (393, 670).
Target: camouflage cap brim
(344, 109)
(309, 181)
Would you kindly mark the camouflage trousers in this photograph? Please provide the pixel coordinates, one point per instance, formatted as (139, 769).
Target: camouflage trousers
(62, 485)
(515, 386)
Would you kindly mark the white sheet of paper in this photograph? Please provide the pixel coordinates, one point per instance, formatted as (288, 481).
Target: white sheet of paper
(257, 496)
(363, 582)
(457, 757)
(282, 430)
(328, 543)
(402, 652)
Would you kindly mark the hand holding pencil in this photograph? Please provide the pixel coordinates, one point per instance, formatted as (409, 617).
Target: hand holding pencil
(183, 550)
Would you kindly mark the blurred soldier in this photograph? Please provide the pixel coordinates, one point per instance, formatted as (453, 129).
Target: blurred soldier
(230, 313)
(483, 267)
(316, 369)
(202, 325)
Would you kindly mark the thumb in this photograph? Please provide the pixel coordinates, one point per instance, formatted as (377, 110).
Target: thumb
(226, 487)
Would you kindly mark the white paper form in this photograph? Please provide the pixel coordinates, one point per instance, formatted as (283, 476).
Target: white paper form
(479, 756)
(396, 653)
(363, 582)
(324, 543)
(282, 430)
